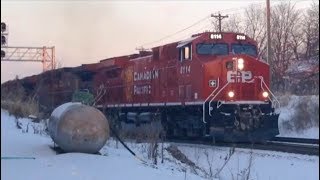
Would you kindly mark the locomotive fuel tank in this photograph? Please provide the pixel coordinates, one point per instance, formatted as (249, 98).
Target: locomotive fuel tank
(75, 127)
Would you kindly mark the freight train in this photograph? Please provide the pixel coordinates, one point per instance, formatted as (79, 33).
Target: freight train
(209, 85)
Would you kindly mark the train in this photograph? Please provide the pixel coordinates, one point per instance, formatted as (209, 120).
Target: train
(211, 84)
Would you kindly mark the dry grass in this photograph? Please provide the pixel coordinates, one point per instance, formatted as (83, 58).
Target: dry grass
(17, 103)
(180, 156)
(21, 109)
(306, 114)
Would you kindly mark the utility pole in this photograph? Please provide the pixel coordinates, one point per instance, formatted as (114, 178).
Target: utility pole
(219, 17)
(269, 41)
(268, 33)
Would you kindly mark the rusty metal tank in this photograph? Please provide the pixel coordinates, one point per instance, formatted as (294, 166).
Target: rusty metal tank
(75, 127)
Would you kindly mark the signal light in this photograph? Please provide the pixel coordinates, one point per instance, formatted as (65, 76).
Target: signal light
(3, 54)
(3, 27)
(3, 40)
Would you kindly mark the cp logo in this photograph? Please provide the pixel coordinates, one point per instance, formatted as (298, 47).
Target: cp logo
(239, 76)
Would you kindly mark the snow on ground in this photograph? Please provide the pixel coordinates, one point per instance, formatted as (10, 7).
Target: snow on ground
(287, 121)
(265, 165)
(118, 164)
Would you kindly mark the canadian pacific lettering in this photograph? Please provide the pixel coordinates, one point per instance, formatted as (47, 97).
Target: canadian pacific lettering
(141, 90)
(239, 76)
(147, 75)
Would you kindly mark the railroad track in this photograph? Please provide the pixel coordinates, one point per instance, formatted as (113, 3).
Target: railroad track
(296, 140)
(295, 145)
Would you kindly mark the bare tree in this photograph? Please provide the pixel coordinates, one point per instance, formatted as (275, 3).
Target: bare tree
(255, 27)
(311, 30)
(294, 34)
(284, 21)
(234, 24)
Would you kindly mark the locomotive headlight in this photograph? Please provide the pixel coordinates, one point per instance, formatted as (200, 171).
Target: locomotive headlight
(231, 94)
(240, 66)
(240, 63)
(265, 94)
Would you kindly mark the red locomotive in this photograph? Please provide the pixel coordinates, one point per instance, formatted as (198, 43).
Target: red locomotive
(210, 84)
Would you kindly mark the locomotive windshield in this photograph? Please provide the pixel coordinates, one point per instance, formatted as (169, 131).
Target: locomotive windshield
(212, 49)
(244, 49)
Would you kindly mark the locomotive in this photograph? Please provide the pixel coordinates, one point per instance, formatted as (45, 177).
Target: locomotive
(209, 85)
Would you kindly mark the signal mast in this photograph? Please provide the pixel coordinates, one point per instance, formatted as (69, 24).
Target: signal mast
(44, 55)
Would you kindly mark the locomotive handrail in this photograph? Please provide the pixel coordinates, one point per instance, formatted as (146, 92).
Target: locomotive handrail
(262, 83)
(275, 98)
(100, 93)
(204, 103)
(216, 96)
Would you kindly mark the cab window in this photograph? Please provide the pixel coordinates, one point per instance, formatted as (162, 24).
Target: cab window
(185, 52)
(244, 49)
(212, 49)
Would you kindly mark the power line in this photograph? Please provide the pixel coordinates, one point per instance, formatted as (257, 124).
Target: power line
(220, 18)
(207, 17)
(176, 32)
(198, 22)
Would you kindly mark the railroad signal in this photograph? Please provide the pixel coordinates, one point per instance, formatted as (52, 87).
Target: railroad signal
(3, 40)
(3, 27)
(45, 55)
(4, 34)
(3, 53)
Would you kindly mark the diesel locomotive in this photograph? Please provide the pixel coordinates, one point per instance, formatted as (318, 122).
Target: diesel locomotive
(211, 84)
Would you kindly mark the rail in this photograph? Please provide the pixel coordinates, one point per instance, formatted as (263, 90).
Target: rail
(296, 140)
(267, 146)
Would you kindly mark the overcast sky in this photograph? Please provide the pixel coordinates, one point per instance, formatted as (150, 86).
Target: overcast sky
(88, 31)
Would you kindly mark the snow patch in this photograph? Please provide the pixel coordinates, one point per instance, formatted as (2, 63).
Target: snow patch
(117, 163)
(288, 112)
